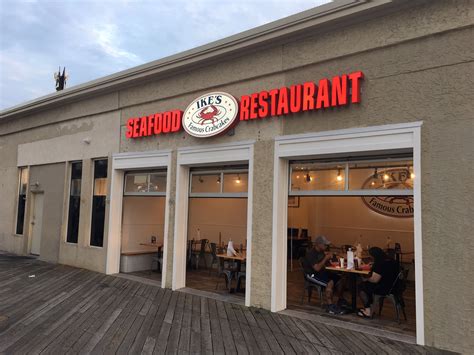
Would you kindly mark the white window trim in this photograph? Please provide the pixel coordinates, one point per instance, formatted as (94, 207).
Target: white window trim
(153, 193)
(199, 156)
(347, 191)
(221, 193)
(122, 162)
(369, 139)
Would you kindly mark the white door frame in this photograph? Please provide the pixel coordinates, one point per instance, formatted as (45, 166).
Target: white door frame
(232, 153)
(122, 162)
(369, 139)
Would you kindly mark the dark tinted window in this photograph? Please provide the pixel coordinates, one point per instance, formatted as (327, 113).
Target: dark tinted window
(22, 188)
(74, 202)
(98, 203)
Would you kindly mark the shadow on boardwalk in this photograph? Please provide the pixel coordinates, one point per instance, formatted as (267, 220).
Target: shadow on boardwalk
(64, 309)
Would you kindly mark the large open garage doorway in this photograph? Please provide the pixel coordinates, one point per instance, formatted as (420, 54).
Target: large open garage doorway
(211, 180)
(217, 231)
(350, 180)
(143, 220)
(357, 205)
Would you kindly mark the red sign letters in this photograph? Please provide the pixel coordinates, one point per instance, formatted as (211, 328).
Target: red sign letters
(339, 91)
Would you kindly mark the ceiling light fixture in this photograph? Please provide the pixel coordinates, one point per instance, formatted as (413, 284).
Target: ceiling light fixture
(376, 174)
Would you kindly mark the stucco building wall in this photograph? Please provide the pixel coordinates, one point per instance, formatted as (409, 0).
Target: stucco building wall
(418, 66)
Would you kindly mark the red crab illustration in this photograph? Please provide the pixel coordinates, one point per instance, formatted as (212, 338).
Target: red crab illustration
(206, 115)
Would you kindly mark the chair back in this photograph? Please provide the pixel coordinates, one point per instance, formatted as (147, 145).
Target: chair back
(189, 249)
(203, 246)
(346, 247)
(213, 250)
(399, 285)
(301, 261)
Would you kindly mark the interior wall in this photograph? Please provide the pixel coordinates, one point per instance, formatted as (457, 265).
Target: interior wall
(212, 216)
(143, 216)
(346, 220)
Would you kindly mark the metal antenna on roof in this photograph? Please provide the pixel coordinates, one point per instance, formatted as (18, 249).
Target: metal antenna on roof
(60, 79)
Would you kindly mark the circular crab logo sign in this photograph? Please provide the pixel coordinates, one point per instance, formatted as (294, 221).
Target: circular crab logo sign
(210, 115)
(392, 206)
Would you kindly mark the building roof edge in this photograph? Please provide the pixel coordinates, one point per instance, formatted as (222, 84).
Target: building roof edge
(289, 26)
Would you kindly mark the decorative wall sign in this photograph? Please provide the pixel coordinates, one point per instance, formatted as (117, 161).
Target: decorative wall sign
(210, 115)
(392, 206)
(294, 201)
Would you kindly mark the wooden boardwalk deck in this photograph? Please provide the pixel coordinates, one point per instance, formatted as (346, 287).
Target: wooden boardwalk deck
(68, 310)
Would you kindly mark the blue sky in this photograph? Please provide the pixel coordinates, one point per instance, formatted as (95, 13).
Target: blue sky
(96, 38)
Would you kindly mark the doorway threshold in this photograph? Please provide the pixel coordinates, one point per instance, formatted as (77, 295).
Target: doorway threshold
(406, 338)
(216, 296)
(141, 279)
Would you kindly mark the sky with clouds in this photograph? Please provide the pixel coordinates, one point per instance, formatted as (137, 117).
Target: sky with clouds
(96, 38)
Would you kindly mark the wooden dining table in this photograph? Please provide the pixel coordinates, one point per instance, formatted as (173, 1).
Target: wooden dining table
(352, 273)
(156, 245)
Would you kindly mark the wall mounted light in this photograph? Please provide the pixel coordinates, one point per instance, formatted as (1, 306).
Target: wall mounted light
(386, 177)
(339, 177)
(200, 179)
(219, 179)
(308, 177)
(238, 179)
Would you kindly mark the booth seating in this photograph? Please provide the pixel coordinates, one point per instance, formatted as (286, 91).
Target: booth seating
(136, 260)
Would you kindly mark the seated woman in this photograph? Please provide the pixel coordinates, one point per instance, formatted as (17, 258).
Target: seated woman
(384, 274)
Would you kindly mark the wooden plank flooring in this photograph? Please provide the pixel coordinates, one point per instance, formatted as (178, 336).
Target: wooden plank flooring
(56, 309)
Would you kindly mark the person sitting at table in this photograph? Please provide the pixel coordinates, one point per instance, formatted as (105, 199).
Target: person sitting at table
(315, 272)
(384, 273)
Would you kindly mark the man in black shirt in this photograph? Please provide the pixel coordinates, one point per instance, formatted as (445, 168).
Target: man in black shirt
(315, 272)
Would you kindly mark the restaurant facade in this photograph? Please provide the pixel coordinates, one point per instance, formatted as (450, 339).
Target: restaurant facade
(231, 139)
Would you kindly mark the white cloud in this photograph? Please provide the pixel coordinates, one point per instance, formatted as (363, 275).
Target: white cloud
(97, 38)
(106, 38)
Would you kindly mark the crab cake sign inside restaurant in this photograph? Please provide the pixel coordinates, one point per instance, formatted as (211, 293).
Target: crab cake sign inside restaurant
(210, 115)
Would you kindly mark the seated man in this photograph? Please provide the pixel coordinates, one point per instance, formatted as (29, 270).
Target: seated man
(315, 269)
(384, 275)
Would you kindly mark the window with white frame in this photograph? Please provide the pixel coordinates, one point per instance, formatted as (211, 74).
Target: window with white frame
(231, 182)
(382, 176)
(148, 183)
